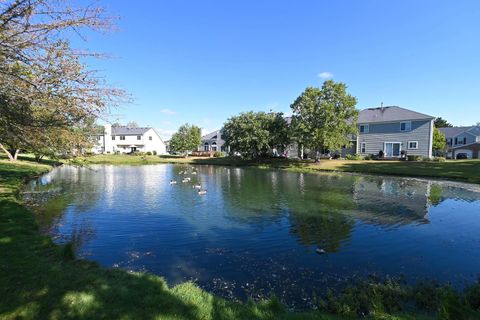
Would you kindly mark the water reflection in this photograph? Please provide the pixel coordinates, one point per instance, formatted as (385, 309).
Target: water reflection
(256, 231)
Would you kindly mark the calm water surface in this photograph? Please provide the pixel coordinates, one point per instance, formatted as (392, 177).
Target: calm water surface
(256, 232)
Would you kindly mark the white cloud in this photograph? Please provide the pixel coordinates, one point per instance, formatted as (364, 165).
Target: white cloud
(325, 75)
(167, 111)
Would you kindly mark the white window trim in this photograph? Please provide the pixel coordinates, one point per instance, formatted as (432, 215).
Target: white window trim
(363, 146)
(416, 145)
(408, 126)
(366, 128)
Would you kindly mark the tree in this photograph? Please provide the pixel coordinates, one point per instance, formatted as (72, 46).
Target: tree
(132, 124)
(323, 118)
(187, 138)
(45, 84)
(439, 142)
(442, 123)
(255, 134)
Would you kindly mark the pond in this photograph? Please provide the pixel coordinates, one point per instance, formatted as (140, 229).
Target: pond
(258, 232)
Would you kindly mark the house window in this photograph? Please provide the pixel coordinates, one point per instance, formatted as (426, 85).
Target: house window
(412, 144)
(150, 138)
(363, 147)
(113, 137)
(214, 137)
(99, 138)
(139, 137)
(364, 128)
(406, 126)
(206, 147)
(122, 137)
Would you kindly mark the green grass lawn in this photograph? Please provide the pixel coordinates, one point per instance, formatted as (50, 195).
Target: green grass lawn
(41, 280)
(460, 170)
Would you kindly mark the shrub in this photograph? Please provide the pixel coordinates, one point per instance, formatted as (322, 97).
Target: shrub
(354, 157)
(439, 159)
(154, 152)
(148, 153)
(414, 158)
(369, 157)
(217, 154)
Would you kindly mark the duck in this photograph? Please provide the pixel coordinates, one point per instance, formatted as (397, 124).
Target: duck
(197, 186)
(194, 172)
(188, 178)
(202, 192)
(320, 251)
(185, 180)
(173, 182)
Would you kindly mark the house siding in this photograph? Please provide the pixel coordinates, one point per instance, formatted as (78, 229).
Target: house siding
(379, 133)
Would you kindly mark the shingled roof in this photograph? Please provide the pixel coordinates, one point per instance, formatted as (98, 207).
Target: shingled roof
(126, 131)
(388, 114)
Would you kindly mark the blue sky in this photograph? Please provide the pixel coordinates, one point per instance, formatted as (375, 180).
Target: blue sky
(203, 61)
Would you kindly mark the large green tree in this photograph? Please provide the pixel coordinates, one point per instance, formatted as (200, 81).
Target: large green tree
(256, 134)
(186, 139)
(324, 118)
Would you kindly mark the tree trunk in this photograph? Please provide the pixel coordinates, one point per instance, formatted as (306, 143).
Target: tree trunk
(10, 156)
(317, 156)
(301, 152)
(17, 151)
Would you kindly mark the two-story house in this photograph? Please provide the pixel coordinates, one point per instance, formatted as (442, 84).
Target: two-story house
(393, 130)
(462, 142)
(125, 140)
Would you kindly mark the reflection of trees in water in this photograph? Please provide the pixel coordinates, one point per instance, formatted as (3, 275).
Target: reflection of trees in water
(51, 195)
(326, 230)
(322, 208)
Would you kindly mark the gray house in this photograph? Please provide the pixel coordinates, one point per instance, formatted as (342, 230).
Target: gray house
(393, 130)
(212, 142)
(462, 142)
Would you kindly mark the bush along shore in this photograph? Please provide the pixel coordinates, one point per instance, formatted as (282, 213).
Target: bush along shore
(42, 280)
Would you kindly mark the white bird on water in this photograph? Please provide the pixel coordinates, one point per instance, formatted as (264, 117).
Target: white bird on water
(173, 182)
(202, 192)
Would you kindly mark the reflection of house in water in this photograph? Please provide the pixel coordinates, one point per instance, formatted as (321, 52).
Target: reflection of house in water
(391, 201)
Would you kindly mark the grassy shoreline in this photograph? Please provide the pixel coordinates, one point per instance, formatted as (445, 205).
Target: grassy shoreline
(42, 280)
(457, 170)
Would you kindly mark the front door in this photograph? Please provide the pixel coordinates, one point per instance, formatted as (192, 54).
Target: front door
(392, 149)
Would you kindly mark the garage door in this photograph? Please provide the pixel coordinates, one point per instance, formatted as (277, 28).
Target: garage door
(468, 153)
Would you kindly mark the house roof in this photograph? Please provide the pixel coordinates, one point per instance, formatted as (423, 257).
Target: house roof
(125, 131)
(455, 131)
(211, 135)
(388, 114)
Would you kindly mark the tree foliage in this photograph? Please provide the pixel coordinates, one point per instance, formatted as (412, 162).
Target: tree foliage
(442, 123)
(187, 138)
(255, 134)
(132, 124)
(439, 142)
(45, 85)
(324, 118)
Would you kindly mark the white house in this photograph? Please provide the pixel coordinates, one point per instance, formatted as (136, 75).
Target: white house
(125, 140)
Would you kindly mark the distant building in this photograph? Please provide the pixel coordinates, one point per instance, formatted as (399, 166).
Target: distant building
(462, 142)
(125, 140)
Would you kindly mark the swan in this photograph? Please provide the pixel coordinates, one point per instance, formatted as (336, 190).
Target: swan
(173, 182)
(202, 192)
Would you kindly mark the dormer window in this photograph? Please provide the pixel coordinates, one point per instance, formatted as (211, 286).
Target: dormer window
(406, 126)
(364, 128)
